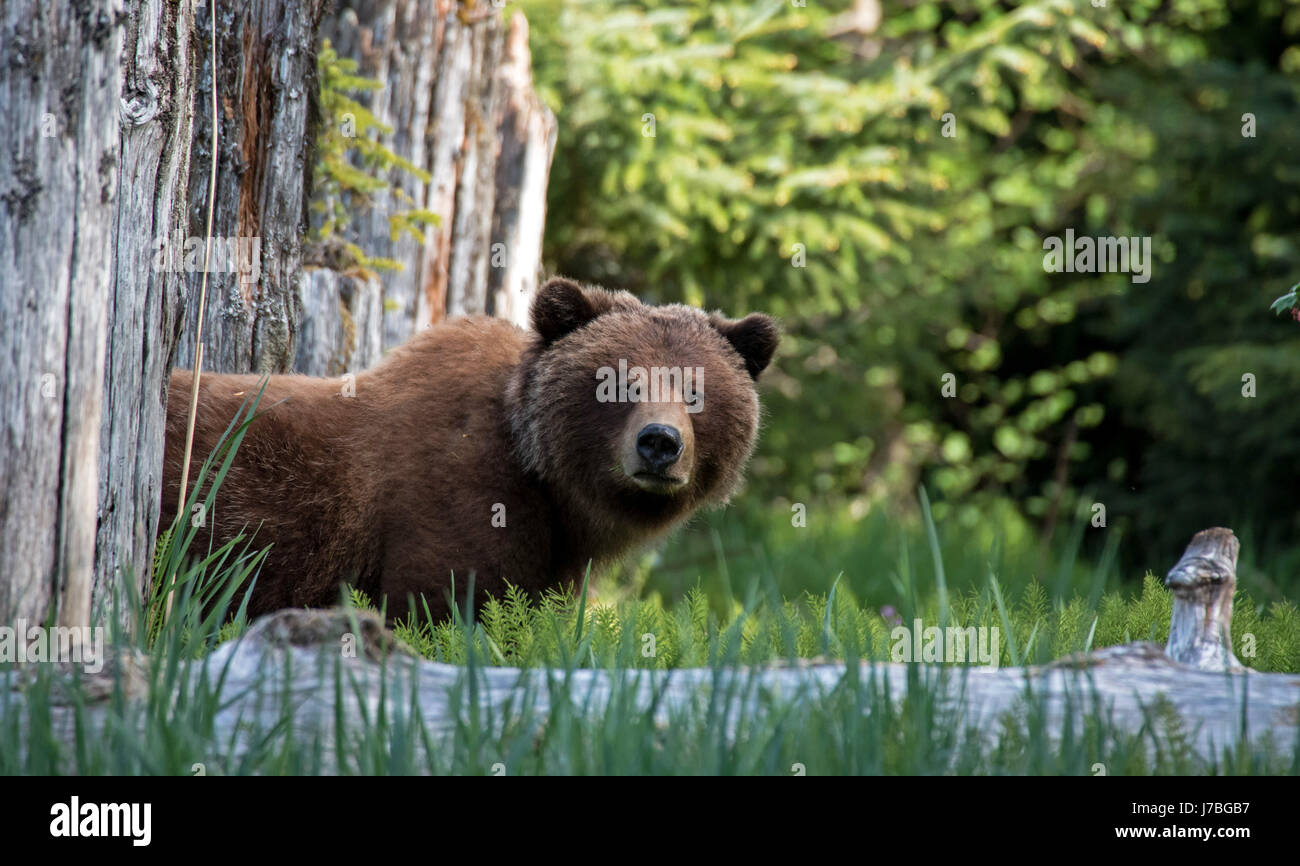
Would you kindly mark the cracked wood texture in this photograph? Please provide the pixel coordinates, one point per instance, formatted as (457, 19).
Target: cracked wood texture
(266, 78)
(458, 95)
(60, 89)
(156, 133)
(342, 324)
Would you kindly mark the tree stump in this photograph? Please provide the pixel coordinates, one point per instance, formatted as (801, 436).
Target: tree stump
(1203, 582)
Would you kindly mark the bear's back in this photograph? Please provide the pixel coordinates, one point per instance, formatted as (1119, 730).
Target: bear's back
(342, 475)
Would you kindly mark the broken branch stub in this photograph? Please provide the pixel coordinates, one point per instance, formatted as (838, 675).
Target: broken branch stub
(1203, 582)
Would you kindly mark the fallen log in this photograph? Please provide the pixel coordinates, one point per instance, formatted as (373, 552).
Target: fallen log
(292, 658)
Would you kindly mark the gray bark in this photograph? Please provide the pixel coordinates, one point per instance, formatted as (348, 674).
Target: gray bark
(60, 86)
(447, 140)
(342, 326)
(156, 130)
(266, 69)
(459, 98)
(471, 223)
(396, 42)
(1203, 582)
(528, 132)
(265, 77)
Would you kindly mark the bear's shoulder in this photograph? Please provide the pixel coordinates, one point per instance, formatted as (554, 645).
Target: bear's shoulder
(464, 342)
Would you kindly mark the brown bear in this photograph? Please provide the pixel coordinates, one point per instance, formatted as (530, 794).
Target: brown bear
(477, 448)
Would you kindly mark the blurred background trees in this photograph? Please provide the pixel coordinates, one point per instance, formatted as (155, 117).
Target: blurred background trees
(882, 176)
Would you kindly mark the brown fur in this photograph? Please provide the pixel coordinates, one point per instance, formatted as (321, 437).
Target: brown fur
(392, 489)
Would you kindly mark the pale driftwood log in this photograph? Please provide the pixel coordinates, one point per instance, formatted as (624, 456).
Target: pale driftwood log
(295, 652)
(266, 75)
(60, 86)
(342, 324)
(156, 129)
(459, 98)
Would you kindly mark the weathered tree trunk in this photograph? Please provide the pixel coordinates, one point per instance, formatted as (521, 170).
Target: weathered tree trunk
(396, 42)
(528, 132)
(266, 78)
(459, 99)
(462, 278)
(342, 330)
(1203, 582)
(60, 86)
(156, 129)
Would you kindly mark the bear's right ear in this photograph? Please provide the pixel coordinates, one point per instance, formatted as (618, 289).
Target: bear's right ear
(755, 337)
(561, 307)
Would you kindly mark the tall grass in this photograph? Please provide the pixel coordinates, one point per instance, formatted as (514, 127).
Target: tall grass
(557, 728)
(554, 725)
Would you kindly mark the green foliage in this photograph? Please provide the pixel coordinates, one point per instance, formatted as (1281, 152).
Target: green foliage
(516, 632)
(1288, 302)
(887, 193)
(353, 164)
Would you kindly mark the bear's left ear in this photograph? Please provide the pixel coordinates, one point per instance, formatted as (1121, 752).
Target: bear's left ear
(561, 307)
(754, 337)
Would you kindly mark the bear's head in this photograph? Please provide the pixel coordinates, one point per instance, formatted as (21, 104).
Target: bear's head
(642, 412)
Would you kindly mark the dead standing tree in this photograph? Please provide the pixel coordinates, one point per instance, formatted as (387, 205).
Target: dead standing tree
(60, 85)
(266, 76)
(152, 205)
(458, 96)
(265, 67)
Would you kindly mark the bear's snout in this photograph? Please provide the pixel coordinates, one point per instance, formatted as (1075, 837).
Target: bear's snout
(659, 446)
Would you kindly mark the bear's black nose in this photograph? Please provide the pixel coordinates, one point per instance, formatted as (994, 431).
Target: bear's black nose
(659, 446)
